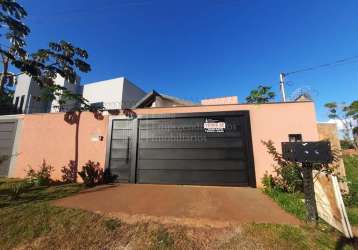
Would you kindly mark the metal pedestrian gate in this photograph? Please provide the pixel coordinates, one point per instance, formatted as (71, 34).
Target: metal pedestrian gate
(196, 149)
(7, 139)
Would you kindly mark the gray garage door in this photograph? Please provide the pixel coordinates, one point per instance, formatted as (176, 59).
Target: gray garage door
(7, 137)
(123, 132)
(197, 149)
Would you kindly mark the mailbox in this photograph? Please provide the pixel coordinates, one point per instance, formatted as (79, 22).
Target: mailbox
(307, 152)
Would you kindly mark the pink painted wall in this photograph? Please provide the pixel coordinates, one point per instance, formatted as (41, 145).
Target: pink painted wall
(272, 121)
(48, 137)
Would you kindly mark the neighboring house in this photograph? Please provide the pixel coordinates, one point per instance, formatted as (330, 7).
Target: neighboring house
(220, 100)
(303, 97)
(27, 90)
(118, 93)
(157, 100)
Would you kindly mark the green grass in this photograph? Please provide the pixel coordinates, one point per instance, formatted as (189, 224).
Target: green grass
(294, 204)
(290, 202)
(31, 222)
(351, 165)
(269, 236)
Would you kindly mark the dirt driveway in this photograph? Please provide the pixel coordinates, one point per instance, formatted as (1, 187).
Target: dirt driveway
(193, 205)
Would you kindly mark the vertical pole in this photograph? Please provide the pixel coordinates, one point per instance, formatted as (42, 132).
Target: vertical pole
(308, 188)
(282, 87)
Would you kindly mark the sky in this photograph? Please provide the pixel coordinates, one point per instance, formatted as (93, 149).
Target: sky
(209, 48)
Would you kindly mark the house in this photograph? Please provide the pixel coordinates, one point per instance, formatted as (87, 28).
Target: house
(155, 99)
(27, 90)
(116, 93)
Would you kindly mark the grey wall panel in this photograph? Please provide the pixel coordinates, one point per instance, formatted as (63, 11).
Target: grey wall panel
(7, 137)
(120, 159)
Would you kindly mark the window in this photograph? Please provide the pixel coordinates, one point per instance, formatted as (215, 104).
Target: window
(295, 137)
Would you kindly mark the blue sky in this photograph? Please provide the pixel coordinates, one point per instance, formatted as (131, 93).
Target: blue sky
(211, 48)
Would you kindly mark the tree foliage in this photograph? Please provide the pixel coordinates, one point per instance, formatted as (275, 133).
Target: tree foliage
(45, 65)
(348, 116)
(14, 31)
(261, 95)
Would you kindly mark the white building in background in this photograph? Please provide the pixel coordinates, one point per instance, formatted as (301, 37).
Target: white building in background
(116, 93)
(27, 90)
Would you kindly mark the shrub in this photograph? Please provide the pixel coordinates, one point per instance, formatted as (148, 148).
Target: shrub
(91, 174)
(41, 177)
(287, 175)
(69, 172)
(267, 181)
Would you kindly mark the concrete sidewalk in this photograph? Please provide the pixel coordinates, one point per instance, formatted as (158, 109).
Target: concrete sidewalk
(194, 205)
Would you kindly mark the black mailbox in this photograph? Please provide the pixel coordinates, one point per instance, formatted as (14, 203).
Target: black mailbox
(309, 152)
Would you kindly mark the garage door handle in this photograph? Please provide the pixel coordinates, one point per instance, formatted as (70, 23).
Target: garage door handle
(128, 149)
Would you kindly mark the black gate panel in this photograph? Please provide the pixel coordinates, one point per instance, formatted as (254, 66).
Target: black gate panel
(183, 150)
(120, 160)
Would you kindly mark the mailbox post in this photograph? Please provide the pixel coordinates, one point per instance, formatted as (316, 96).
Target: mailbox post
(308, 153)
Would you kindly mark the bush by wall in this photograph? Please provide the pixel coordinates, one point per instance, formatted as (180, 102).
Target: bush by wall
(287, 175)
(92, 174)
(69, 172)
(41, 177)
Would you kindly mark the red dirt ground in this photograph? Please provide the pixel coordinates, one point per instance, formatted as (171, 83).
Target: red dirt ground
(191, 205)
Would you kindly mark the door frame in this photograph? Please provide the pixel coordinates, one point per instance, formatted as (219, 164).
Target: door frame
(246, 127)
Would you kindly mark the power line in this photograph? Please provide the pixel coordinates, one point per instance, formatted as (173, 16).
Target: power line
(343, 61)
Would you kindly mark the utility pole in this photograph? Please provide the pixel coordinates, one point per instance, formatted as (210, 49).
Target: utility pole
(282, 86)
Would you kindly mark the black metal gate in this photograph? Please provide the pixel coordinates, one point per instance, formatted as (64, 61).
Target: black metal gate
(197, 149)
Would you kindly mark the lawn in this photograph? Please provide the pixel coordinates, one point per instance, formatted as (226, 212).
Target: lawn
(31, 222)
(294, 202)
(351, 164)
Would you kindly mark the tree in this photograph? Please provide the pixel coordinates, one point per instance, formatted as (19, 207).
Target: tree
(60, 58)
(348, 116)
(14, 31)
(260, 95)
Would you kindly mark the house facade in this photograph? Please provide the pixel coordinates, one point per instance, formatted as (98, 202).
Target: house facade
(156, 138)
(118, 93)
(27, 90)
(197, 145)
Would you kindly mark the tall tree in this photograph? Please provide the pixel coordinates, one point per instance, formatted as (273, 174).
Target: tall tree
(261, 95)
(60, 58)
(14, 32)
(348, 116)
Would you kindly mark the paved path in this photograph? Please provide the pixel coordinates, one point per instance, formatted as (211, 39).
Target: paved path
(195, 205)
